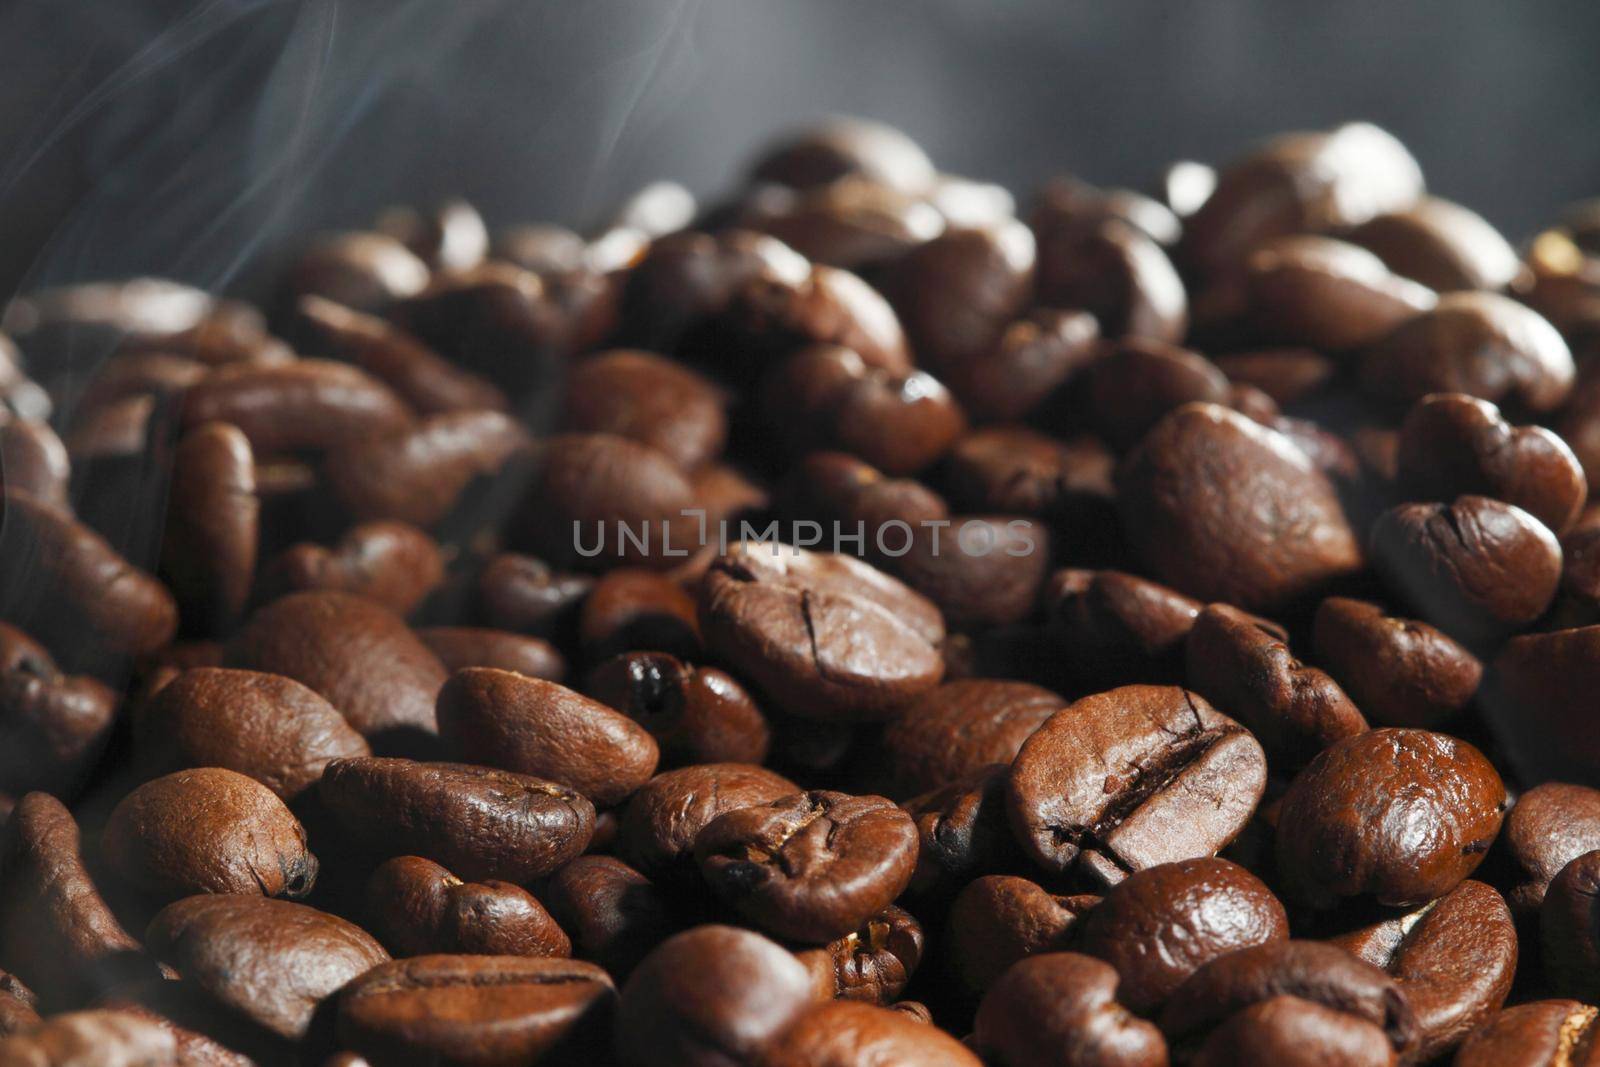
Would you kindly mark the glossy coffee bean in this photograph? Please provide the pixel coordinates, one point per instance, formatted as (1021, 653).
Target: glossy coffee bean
(416, 907)
(271, 961)
(630, 609)
(306, 405)
(1568, 930)
(1294, 709)
(696, 714)
(1033, 357)
(96, 1036)
(1546, 680)
(1116, 272)
(709, 996)
(393, 563)
(1475, 567)
(1543, 1033)
(364, 270)
(1452, 445)
(1286, 375)
(812, 866)
(352, 651)
(781, 310)
(1295, 1033)
(1000, 919)
(1400, 815)
(649, 399)
(1138, 381)
(839, 147)
(1132, 778)
(1112, 628)
(1014, 470)
(1442, 245)
(1551, 825)
(663, 819)
(524, 594)
(1227, 510)
(1399, 671)
(208, 830)
(18, 1005)
(1326, 294)
(826, 636)
(963, 832)
(842, 1033)
(872, 963)
(614, 914)
(961, 727)
(957, 292)
(1165, 922)
(852, 222)
(53, 726)
(480, 823)
(1061, 1008)
(471, 646)
(688, 278)
(1454, 960)
(209, 545)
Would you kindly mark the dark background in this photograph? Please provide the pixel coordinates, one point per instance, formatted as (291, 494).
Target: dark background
(197, 139)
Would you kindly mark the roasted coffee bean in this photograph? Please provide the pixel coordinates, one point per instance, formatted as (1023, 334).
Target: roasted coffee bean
(272, 961)
(632, 609)
(846, 146)
(825, 636)
(1015, 470)
(1452, 444)
(448, 236)
(481, 1010)
(707, 997)
(826, 397)
(983, 570)
(1399, 815)
(696, 714)
(686, 279)
(956, 293)
(113, 1038)
(1544, 1033)
(1033, 357)
(539, 247)
(1000, 919)
(1128, 390)
(1116, 272)
(1303, 970)
(1295, 710)
(1454, 960)
(961, 727)
(523, 594)
(425, 380)
(1132, 778)
(64, 583)
(1475, 567)
(833, 486)
(536, 727)
(842, 1034)
(417, 907)
(393, 563)
(1547, 681)
(1112, 628)
(471, 646)
(481, 823)
(1293, 1032)
(1442, 245)
(419, 473)
(1401, 672)
(779, 310)
(1227, 510)
(1482, 344)
(1550, 826)
(56, 931)
(1326, 294)
(306, 405)
(811, 866)
(872, 963)
(355, 653)
(363, 270)
(35, 460)
(1066, 200)
(1287, 375)
(854, 222)
(208, 830)
(1568, 929)
(18, 1005)
(208, 548)
(1163, 923)
(649, 399)
(1060, 1009)
(615, 915)
(963, 832)
(266, 726)
(663, 818)
(53, 726)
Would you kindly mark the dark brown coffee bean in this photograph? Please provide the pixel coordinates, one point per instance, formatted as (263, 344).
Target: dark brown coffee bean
(1113, 270)
(420, 376)
(956, 293)
(53, 726)
(35, 460)
(961, 727)
(1401, 672)
(272, 961)
(1015, 470)
(1113, 628)
(632, 609)
(208, 549)
(419, 473)
(56, 931)
(417, 907)
(481, 823)
(846, 146)
(663, 818)
(266, 726)
(841, 1033)
(707, 997)
(826, 636)
(688, 278)
(306, 405)
(1137, 382)
(854, 222)
(833, 486)
(1452, 445)
(962, 832)
(1304, 970)
(18, 1005)
(1401, 815)
(1442, 245)
(1475, 567)
(1544, 1033)
(523, 594)
(872, 963)
(493, 1011)
(1132, 778)
(1569, 931)
(696, 714)
(448, 236)
(393, 563)
(358, 655)
(1067, 200)
(614, 914)
(982, 570)
(1551, 825)
(1547, 681)
(811, 866)
(1287, 375)
(1163, 923)
(1299, 183)
(649, 399)
(364, 270)
(1454, 960)
(1061, 1008)
(1295, 710)
(64, 583)
(1482, 344)
(472, 646)
(208, 830)
(113, 1038)
(1326, 294)
(1227, 510)
(1032, 357)
(779, 311)
(1295, 1033)
(1000, 919)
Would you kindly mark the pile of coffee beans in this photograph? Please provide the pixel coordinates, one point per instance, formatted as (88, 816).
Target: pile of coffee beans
(851, 624)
